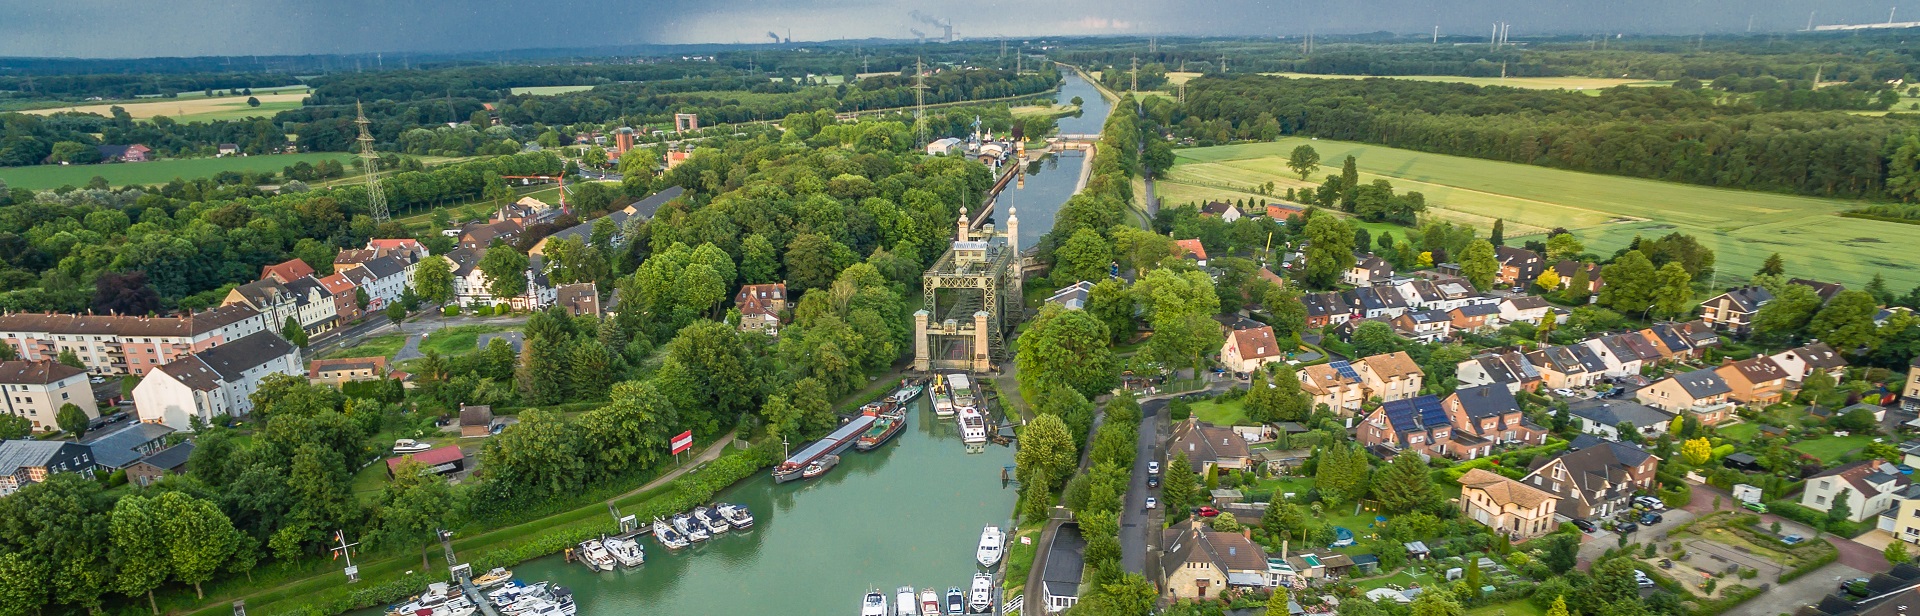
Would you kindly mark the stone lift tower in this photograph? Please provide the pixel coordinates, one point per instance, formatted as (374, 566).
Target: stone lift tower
(974, 291)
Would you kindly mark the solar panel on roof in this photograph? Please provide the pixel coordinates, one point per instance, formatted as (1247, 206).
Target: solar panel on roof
(1345, 369)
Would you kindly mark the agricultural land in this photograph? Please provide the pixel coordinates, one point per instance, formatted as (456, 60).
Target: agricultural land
(41, 177)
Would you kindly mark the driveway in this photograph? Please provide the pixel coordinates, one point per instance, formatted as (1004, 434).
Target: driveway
(1804, 590)
(1594, 544)
(1136, 523)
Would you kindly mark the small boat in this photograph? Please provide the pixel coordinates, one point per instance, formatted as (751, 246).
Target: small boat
(973, 426)
(496, 577)
(626, 550)
(595, 555)
(907, 393)
(820, 467)
(406, 446)
(712, 521)
(667, 535)
(903, 602)
(887, 423)
(929, 603)
(961, 389)
(980, 599)
(990, 542)
(685, 524)
(942, 397)
(557, 603)
(875, 604)
(736, 515)
(956, 601)
(516, 593)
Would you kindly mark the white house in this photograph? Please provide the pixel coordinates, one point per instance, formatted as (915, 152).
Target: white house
(213, 382)
(304, 300)
(1871, 488)
(1247, 349)
(384, 278)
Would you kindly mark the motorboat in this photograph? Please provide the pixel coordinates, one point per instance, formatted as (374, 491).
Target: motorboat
(956, 601)
(907, 393)
(973, 426)
(980, 598)
(515, 593)
(685, 524)
(712, 521)
(495, 577)
(627, 550)
(667, 535)
(904, 602)
(942, 397)
(875, 604)
(406, 446)
(595, 555)
(991, 541)
(929, 603)
(558, 603)
(736, 515)
(820, 466)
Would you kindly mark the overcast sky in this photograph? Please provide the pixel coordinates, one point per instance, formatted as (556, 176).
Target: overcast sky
(123, 28)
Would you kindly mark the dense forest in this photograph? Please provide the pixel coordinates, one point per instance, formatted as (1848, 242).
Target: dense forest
(1662, 133)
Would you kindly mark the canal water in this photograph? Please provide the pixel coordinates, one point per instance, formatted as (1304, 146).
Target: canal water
(908, 513)
(1051, 181)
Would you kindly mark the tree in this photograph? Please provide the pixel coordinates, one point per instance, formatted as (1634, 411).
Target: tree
(1047, 447)
(14, 427)
(414, 506)
(1560, 552)
(1499, 235)
(1697, 451)
(1404, 485)
(1479, 265)
(1179, 485)
(1341, 474)
(1068, 348)
(1438, 601)
(200, 538)
(1774, 266)
(1111, 303)
(433, 281)
(1349, 183)
(293, 332)
(1896, 552)
(139, 547)
(72, 420)
(1329, 250)
(70, 359)
(1084, 256)
(1840, 511)
(1559, 607)
(1548, 279)
(360, 298)
(1846, 323)
(505, 269)
(1374, 338)
(1672, 291)
(1630, 283)
(1789, 313)
(1181, 305)
(128, 294)
(1277, 400)
(1303, 161)
(1563, 246)
(1581, 286)
(1277, 604)
(253, 101)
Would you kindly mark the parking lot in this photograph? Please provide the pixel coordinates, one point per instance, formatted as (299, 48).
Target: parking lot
(1599, 541)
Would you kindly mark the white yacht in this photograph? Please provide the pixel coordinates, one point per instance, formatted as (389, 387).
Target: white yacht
(667, 535)
(973, 426)
(875, 604)
(991, 541)
(736, 515)
(626, 550)
(903, 602)
(980, 598)
(595, 556)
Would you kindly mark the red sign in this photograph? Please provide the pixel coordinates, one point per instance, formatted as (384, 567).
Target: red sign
(682, 442)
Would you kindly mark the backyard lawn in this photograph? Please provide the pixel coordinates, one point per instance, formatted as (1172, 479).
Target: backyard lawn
(377, 346)
(1830, 448)
(1740, 432)
(457, 340)
(1222, 413)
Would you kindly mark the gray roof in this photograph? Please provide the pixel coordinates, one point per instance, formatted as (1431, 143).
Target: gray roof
(1613, 413)
(464, 260)
(27, 453)
(385, 266)
(1486, 401)
(1066, 558)
(645, 208)
(119, 448)
(229, 362)
(171, 458)
(1748, 299)
(1702, 383)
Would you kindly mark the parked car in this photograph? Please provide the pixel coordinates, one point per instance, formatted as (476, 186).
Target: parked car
(1153, 468)
(1207, 512)
(1792, 539)
(1625, 527)
(1583, 525)
(1152, 502)
(1153, 481)
(1641, 579)
(1650, 503)
(1757, 507)
(1650, 518)
(1563, 392)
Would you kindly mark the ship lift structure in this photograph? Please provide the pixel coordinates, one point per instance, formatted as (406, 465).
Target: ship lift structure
(973, 296)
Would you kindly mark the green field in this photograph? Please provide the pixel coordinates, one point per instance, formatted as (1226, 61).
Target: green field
(549, 90)
(1222, 413)
(457, 340)
(156, 172)
(377, 346)
(1607, 212)
(1530, 83)
(1830, 448)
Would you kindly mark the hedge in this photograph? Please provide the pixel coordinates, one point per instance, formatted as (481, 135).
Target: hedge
(1818, 519)
(1730, 596)
(1505, 460)
(1809, 566)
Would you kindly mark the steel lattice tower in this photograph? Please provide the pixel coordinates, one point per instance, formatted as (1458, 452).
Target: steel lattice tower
(376, 198)
(920, 103)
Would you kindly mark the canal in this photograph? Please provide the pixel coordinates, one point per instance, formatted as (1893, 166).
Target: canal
(907, 513)
(1055, 178)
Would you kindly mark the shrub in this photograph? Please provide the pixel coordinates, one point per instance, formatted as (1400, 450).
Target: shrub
(451, 311)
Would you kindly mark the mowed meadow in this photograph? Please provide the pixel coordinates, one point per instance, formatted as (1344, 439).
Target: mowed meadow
(42, 177)
(1606, 212)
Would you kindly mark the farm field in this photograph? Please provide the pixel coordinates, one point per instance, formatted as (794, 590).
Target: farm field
(40, 177)
(1530, 83)
(195, 109)
(1606, 212)
(548, 90)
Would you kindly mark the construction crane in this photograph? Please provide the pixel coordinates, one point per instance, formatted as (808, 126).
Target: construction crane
(557, 178)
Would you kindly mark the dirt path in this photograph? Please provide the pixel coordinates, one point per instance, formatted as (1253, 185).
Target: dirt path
(708, 455)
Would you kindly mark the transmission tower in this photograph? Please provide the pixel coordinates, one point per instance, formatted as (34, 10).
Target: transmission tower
(920, 103)
(1134, 72)
(376, 198)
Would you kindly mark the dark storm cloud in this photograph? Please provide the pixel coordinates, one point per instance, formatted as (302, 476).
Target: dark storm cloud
(120, 28)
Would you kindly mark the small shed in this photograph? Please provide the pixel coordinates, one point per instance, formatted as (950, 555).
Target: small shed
(1417, 549)
(1366, 563)
(1224, 497)
(1741, 461)
(476, 421)
(440, 460)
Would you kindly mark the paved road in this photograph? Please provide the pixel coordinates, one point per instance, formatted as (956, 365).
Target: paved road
(1135, 522)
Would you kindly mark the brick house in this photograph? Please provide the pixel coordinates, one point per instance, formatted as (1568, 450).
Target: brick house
(1596, 479)
(346, 303)
(1757, 381)
(1474, 317)
(1325, 309)
(760, 306)
(1419, 425)
(1492, 414)
(1518, 266)
(169, 461)
(1702, 393)
(1509, 507)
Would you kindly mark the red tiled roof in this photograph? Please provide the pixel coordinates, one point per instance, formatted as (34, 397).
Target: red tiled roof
(430, 457)
(1192, 247)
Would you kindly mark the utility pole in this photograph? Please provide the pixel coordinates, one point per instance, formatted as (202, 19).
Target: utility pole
(376, 197)
(920, 102)
(1223, 63)
(1134, 73)
(353, 573)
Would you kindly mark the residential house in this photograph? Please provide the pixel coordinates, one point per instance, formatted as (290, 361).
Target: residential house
(1509, 507)
(637, 211)
(112, 344)
(1208, 447)
(1518, 266)
(1757, 381)
(1226, 212)
(1826, 290)
(1427, 326)
(1801, 362)
(1191, 249)
(469, 283)
(1509, 369)
(1324, 309)
(214, 382)
(1073, 297)
(1419, 425)
(385, 279)
(170, 461)
(1380, 302)
(442, 460)
(1282, 212)
(1679, 341)
(1567, 269)
(1421, 294)
(1488, 414)
(1066, 561)
(476, 421)
(1200, 563)
(1871, 486)
(1529, 308)
(121, 448)
(1474, 318)
(1596, 480)
(1703, 393)
(479, 236)
(408, 249)
(24, 462)
(1603, 418)
(578, 299)
(1344, 331)
(286, 271)
(1367, 270)
(1391, 376)
(337, 372)
(303, 300)
(136, 153)
(1247, 349)
(1567, 366)
(760, 307)
(1733, 311)
(1624, 354)
(226, 149)
(1910, 393)
(346, 304)
(1335, 384)
(37, 390)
